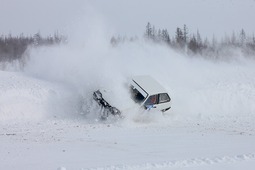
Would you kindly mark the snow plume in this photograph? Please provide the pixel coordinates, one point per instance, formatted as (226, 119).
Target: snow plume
(200, 89)
(86, 63)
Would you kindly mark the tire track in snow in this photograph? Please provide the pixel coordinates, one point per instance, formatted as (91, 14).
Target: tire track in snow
(180, 163)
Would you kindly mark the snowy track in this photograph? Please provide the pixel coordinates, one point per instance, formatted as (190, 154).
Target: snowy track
(74, 144)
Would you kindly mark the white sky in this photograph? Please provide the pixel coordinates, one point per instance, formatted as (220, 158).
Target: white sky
(128, 17)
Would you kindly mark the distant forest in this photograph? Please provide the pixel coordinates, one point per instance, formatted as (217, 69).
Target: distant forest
(193, 44)
(14, 47)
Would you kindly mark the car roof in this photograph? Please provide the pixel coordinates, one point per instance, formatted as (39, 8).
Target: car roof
(148, 84)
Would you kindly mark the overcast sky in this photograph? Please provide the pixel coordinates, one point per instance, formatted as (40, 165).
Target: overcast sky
(128, 17)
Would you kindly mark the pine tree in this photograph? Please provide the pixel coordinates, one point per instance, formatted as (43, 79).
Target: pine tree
(153, 33)
(199, 39)
(185, 34)
(37, 38)
(159, 35)
(113, 41)
(242, 37)
(165, 36)
(179, 37)
(193, 45)
(148, 32)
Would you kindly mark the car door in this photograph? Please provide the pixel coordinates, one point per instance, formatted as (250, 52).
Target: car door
(164, 101)
(151, 102)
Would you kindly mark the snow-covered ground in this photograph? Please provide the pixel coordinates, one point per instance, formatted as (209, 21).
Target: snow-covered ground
(78, 145)
(48, 120)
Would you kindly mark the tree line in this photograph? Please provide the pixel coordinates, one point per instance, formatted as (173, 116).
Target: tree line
(194, 44)
(13, 47)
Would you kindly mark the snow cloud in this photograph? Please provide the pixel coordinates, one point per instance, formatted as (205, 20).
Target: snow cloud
(199, 88)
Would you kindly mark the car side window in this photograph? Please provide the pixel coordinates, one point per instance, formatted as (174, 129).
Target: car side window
(152, 100)
(163, 97)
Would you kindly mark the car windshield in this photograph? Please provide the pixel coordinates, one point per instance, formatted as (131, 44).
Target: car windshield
(136, 95)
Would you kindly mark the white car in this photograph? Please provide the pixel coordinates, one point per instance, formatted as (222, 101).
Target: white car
(145, 91)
